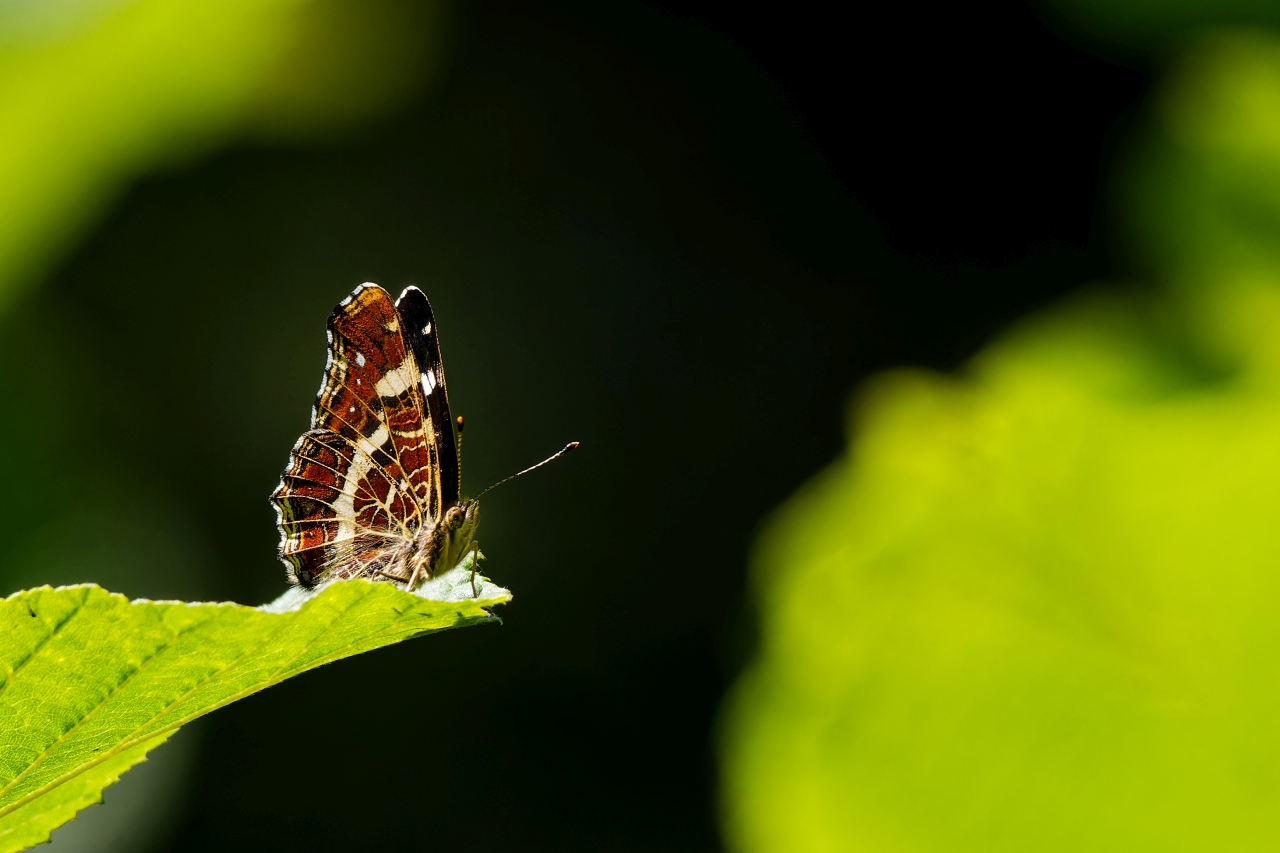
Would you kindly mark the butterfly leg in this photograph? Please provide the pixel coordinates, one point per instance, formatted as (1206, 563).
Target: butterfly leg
(413, 578)
(474, 550)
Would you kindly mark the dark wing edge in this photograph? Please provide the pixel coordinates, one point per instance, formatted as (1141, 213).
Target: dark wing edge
(419, 327)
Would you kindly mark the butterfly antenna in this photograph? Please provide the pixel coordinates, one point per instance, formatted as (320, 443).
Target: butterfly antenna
(460, 422)
(552, 458)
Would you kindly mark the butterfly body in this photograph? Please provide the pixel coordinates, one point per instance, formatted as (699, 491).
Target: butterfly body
(373, 488)
(440, 545)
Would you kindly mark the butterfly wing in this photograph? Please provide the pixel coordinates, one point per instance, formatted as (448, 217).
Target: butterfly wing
(438, 482)
(368, 475)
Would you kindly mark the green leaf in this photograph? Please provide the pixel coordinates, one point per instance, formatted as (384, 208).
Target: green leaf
(1032, 608)
(93, 681)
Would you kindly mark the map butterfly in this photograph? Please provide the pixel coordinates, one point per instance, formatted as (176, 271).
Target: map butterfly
(374, 489)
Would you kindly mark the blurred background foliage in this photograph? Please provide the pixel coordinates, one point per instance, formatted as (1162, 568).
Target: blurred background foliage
(97, 92)
(1026, 607)
(1033, 605)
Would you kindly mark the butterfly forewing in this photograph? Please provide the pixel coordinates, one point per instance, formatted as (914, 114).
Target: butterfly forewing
(379, 462)
(437, 483)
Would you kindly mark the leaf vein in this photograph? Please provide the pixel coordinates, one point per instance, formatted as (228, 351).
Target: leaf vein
(56, 628)
(62, 738)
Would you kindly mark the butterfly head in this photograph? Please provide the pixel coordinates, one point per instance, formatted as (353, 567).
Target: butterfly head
(459, 523)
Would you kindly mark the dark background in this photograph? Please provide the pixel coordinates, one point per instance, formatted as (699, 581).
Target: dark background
(678, 232)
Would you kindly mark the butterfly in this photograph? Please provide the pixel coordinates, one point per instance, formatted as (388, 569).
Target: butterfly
(374, 489)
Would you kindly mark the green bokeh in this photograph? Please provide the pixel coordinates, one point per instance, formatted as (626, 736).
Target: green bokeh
(94, 93)
(1034, 606)
(1139, 29)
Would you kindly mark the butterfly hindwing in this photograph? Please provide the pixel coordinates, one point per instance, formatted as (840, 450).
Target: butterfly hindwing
(335, 503)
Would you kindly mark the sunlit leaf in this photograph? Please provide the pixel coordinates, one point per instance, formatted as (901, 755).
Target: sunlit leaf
(93, 681)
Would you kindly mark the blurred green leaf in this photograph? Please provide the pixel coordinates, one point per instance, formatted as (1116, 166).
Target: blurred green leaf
(1032, 609)
(1034, 606)
(96, 92)
(94, 681)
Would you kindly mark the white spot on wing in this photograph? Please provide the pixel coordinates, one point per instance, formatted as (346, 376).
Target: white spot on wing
(426, 330)
(428, 383)
(376, 440)
(352, 409)
(360, 359)
(396, 381)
